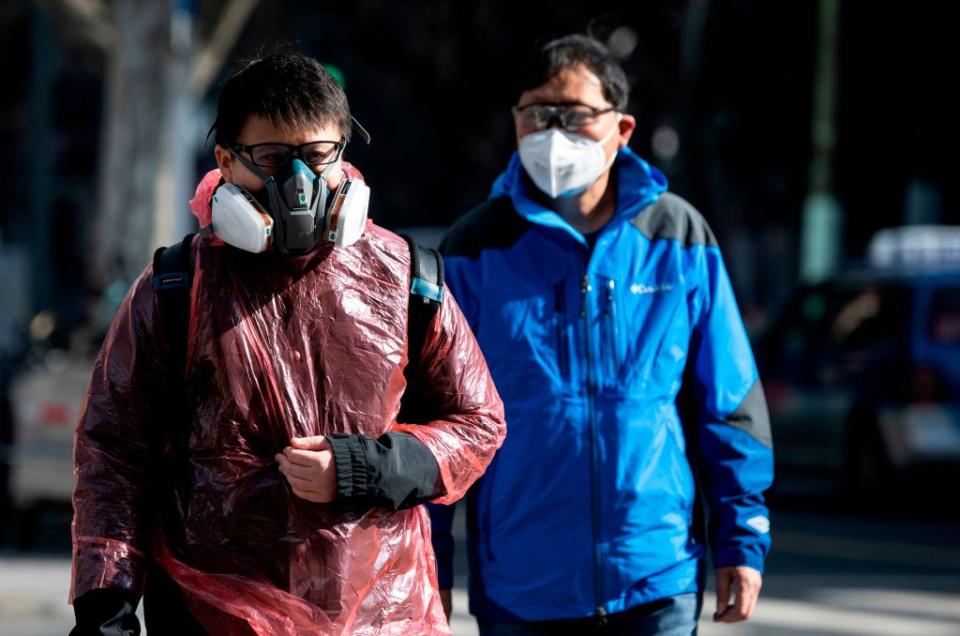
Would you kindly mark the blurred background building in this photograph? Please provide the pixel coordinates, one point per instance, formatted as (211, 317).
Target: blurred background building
(800, 129)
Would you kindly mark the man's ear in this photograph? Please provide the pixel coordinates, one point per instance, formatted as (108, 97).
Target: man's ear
(225, 162)
(627, 124)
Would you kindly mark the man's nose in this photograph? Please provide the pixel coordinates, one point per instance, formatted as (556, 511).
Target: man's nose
(555, 119)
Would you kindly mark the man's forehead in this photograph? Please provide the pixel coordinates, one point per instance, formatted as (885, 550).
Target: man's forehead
(260, 129)
(570, 84)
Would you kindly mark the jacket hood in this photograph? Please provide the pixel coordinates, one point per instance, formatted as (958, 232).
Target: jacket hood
(639, 185)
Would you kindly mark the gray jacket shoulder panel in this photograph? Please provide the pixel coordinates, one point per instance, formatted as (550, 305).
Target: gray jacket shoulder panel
(752, 416)
(672, 217)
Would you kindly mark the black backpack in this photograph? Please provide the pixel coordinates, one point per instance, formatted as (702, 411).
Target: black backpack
(173, 276)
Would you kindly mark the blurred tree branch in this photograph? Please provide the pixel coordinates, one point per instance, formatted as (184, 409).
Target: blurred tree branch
(89, 21)
(214, 52)
(153, 79)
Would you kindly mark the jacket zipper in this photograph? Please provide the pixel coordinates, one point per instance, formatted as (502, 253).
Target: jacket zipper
(586, 288)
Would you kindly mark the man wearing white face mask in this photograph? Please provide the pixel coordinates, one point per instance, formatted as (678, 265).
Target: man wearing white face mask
(597, 297)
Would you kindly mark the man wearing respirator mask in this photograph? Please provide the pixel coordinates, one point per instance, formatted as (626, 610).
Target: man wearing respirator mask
(286, 196)
(264, 474)
(588, 521)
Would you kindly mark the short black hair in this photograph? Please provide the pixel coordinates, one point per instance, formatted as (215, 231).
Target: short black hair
(292, 90)
(570, 50)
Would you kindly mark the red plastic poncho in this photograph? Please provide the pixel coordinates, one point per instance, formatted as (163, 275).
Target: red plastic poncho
(278, 347)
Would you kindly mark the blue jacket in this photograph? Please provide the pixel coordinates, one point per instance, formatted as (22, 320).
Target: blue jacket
(591, 505)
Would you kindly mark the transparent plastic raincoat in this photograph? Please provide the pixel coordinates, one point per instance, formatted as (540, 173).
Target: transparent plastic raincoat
(277, 347)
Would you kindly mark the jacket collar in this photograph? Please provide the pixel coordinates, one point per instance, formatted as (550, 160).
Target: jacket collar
(639, 185)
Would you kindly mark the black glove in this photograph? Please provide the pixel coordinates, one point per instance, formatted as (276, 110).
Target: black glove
(106, 612)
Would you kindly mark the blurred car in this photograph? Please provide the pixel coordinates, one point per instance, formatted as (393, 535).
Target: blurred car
(46, 401)
(862, 372)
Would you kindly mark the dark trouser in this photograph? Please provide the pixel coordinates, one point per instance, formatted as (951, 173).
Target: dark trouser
(671, 616)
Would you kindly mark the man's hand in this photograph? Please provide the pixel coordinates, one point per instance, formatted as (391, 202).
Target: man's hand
(309, 467)
(446, 599)
(745, 582)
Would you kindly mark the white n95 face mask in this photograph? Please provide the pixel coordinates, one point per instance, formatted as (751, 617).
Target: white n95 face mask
(563, 163)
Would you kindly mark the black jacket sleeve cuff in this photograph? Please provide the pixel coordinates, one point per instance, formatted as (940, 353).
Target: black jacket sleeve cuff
(353, 471)
(394, 471)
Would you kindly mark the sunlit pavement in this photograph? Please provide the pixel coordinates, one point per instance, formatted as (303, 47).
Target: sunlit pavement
(848, 607)
(33, 596)
(851, 607)
(830, 574)
(33, 603)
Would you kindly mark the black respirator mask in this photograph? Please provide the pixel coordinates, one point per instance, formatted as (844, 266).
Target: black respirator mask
(296, 200)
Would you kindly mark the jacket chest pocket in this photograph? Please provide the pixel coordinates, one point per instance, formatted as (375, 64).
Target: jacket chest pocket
(645, 334)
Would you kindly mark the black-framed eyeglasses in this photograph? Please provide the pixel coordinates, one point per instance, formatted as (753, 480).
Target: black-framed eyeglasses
(277, 155)
(569, 115)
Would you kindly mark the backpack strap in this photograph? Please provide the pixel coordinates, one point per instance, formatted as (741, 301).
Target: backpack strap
(426, 296)
(172, 279)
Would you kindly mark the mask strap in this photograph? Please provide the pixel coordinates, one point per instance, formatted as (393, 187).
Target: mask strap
(326, 170)
(361, 130)
(606, 137)
(252, 167)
